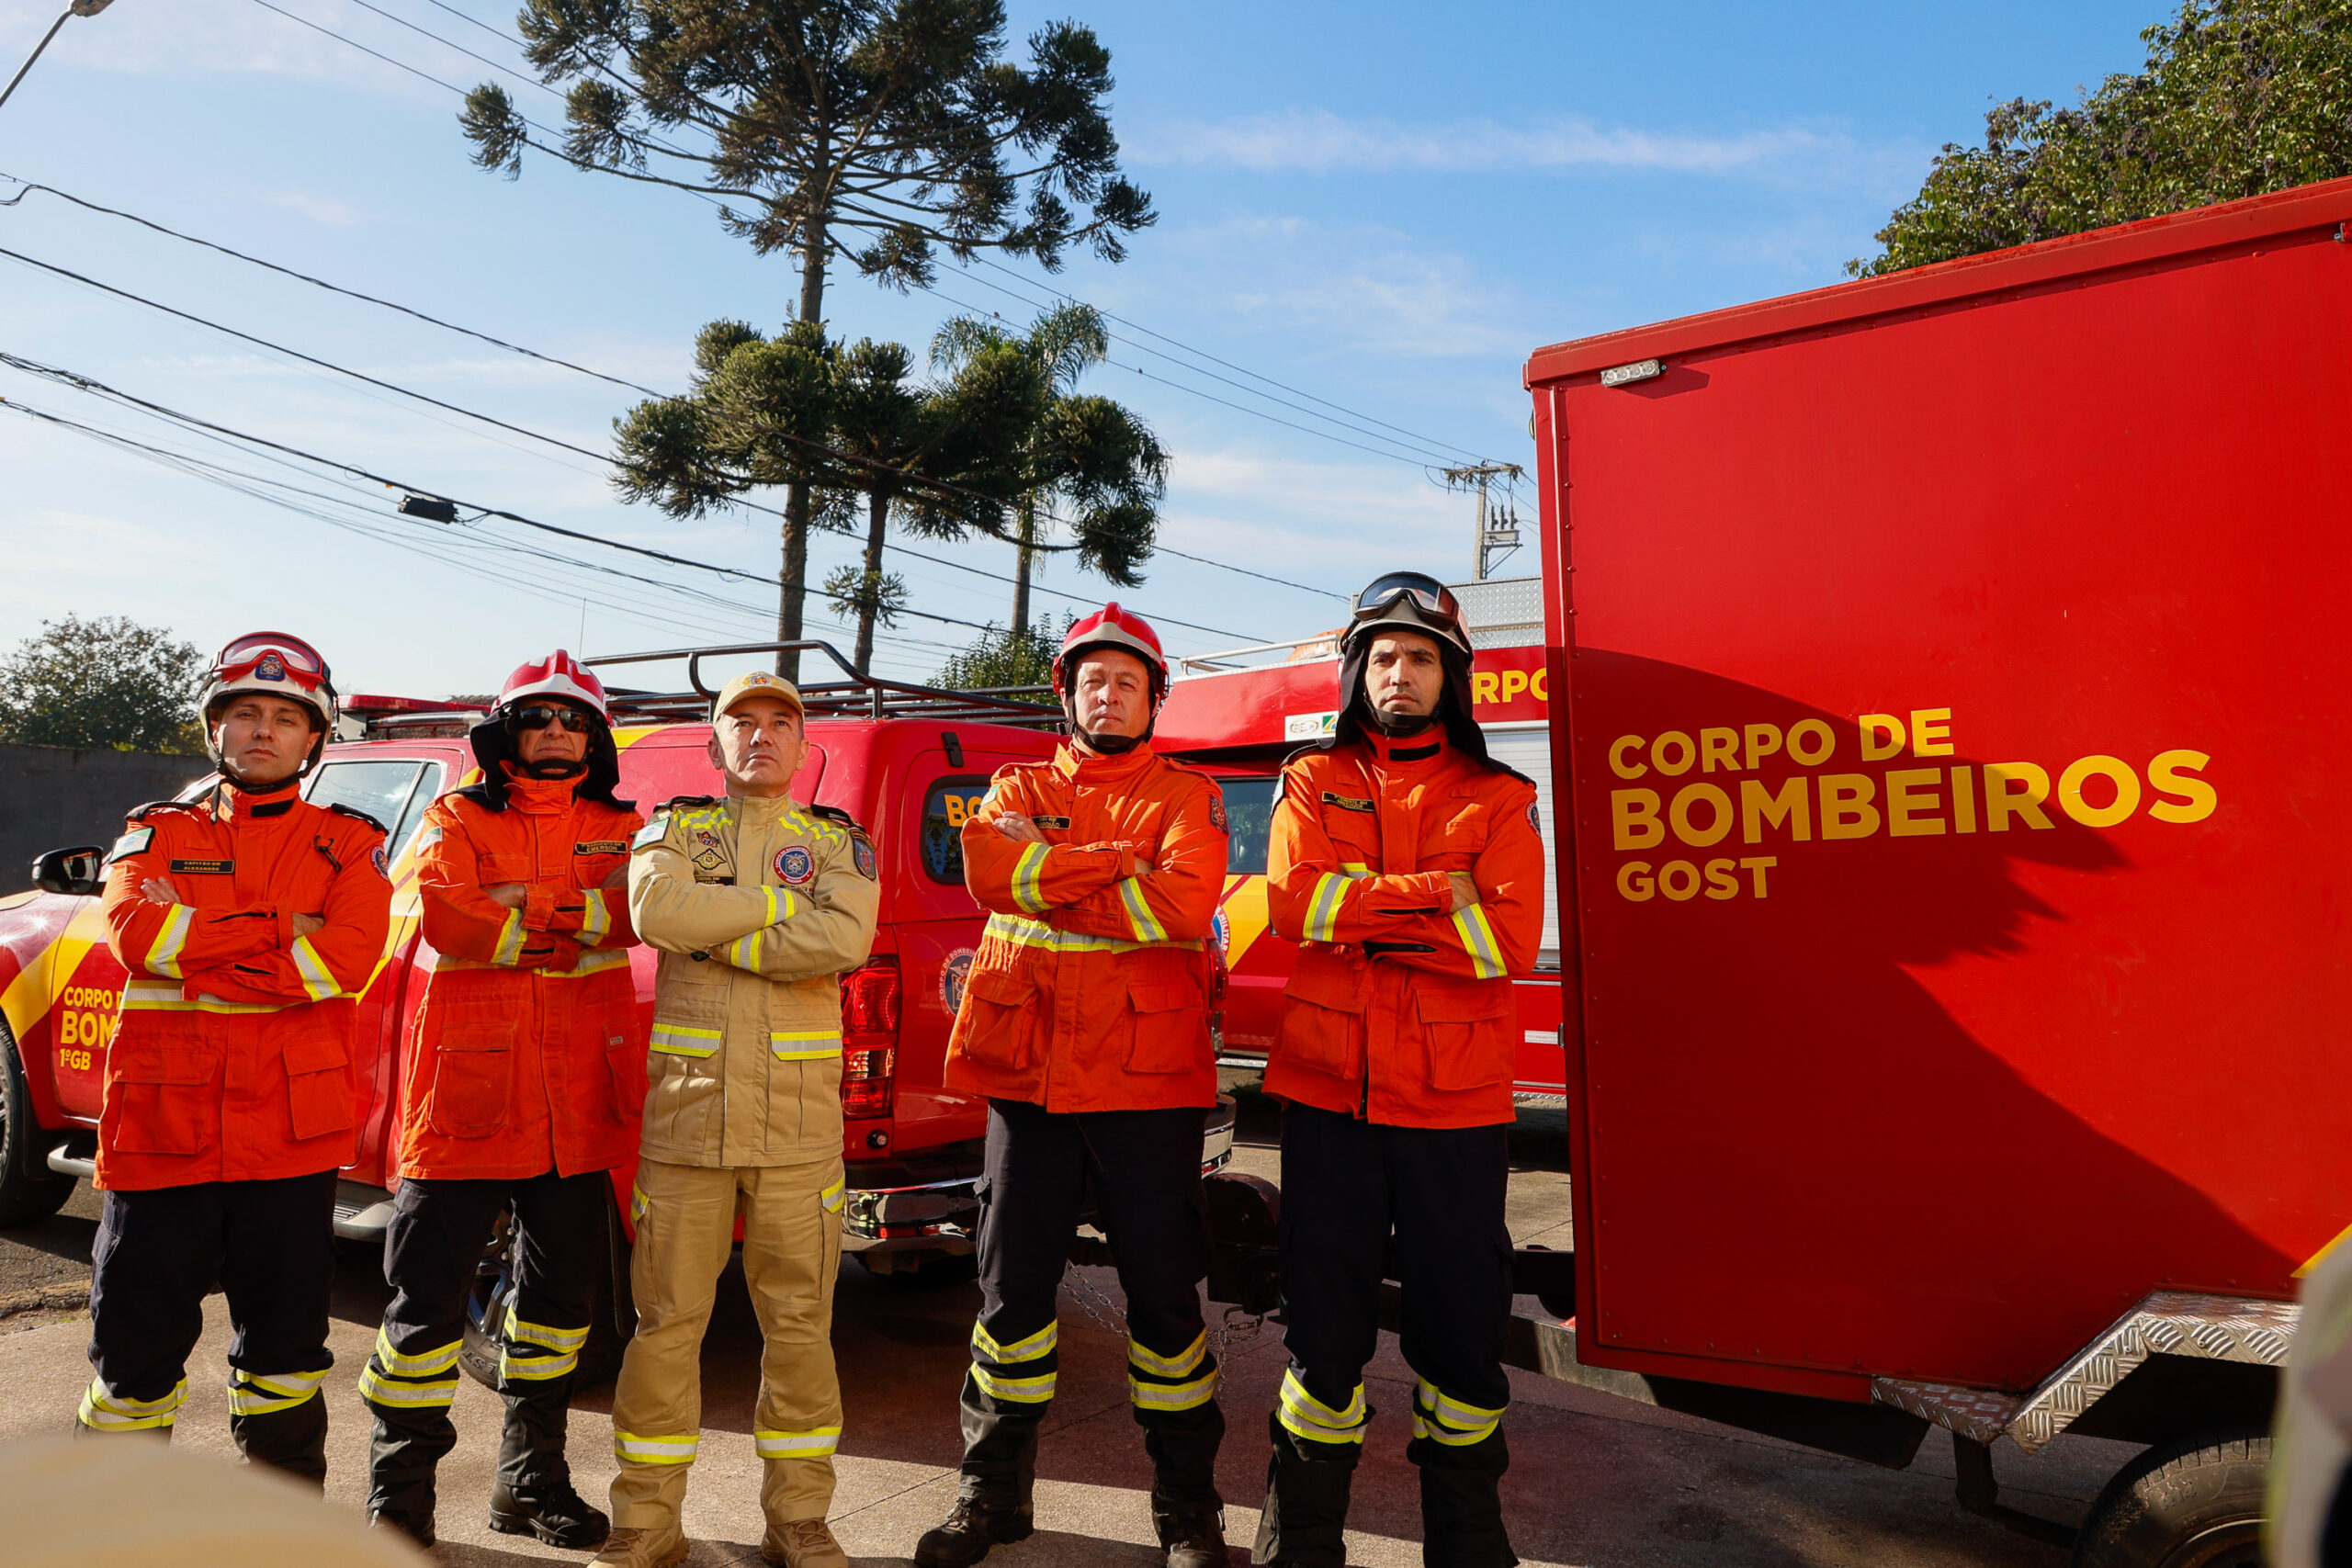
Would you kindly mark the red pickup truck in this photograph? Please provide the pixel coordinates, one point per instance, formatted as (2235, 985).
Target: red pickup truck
(908, 761)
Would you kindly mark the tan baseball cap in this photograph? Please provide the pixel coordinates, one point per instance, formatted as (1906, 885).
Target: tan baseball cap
(756, 683)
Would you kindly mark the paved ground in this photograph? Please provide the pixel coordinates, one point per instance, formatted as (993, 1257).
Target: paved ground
(1595, 1481)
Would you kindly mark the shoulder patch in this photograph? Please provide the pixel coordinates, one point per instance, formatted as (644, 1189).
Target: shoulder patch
(131, 843)
(652, 833)
(861, 855)
(357, 815)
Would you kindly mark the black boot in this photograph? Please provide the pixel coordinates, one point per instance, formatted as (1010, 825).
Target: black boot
(416, 1527)
(533, 1494)
(1194, 1539)
(1304, 1523)
(1462, 1509)
(293, 1440)
(403, 1449)
(965, 1536)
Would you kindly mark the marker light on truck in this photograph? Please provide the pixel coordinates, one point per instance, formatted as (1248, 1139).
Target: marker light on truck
(869, 1036)
(1625, 375)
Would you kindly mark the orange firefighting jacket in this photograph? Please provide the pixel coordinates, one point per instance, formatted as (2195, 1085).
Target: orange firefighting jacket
(232, 1058)
(1089, 991)
(528, 1054)
(1397, 1010)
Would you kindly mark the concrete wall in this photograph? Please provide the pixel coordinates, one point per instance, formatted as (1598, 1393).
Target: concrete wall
(54, 795)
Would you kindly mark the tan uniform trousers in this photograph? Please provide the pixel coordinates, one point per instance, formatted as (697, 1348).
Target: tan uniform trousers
(792, 1249)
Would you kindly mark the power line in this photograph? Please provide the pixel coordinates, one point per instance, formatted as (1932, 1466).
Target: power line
(30, 187)
(89, 383)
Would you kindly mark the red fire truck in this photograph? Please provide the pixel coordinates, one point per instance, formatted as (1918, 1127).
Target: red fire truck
(1948, 682)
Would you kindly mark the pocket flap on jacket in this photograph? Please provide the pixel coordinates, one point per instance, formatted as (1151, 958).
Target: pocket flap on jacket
(1164, 998)
(1336, 986)
(1002, 987)
(1463, 1001)
(316, 1052)
(159, 1067)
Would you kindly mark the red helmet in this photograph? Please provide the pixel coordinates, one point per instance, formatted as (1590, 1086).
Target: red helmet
(556, 675)
(1112, 627)
(274, 665)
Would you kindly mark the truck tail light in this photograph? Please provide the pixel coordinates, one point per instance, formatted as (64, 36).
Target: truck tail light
(869, 1037)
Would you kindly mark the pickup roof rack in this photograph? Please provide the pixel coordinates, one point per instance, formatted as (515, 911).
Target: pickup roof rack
(856, 696)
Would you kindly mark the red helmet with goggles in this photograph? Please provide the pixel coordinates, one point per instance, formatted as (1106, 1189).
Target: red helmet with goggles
(556, 675)
(1408, 600)
(1112, 627)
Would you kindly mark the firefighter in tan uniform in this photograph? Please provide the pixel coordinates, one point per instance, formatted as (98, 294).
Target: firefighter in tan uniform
(757, 903)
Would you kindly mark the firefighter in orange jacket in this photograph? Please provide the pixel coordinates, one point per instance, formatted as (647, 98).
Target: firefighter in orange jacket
(247, 920)
(1084, 1022)
(1408, 867)
(521, 1092)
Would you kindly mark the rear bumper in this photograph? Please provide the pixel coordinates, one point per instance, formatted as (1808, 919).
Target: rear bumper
(942, 1214)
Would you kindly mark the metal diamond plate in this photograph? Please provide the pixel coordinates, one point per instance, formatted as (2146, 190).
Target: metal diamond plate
(2169, 1323)
(1974, 1413)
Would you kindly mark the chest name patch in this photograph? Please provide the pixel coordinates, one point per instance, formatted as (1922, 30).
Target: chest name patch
(205, 867)
(1346, 802)
(601, 847)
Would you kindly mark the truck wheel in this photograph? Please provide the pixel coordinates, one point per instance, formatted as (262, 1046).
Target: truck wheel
(610, 1321)
(2193, 1503)
(29, 1190)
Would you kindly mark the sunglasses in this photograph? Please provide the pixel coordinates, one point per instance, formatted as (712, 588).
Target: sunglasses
(1427, 594)
(537, 717)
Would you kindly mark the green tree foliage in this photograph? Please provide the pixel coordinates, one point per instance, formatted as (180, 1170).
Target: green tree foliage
(879, 131)
(2238, 98)
(1083, 458)
(999, 657)
(844, 422)
(108, 682)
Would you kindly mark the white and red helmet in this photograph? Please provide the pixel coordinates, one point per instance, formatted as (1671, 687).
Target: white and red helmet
(1112, 627)
(556, 675)
(275, 665)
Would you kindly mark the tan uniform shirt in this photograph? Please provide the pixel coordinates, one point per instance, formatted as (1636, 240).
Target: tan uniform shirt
(757, 907)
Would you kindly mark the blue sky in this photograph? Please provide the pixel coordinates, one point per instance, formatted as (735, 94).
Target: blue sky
(1382, 206)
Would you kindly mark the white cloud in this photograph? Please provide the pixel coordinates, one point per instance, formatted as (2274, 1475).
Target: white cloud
(191, 38)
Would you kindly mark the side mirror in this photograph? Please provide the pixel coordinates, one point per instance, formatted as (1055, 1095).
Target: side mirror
(76, 871)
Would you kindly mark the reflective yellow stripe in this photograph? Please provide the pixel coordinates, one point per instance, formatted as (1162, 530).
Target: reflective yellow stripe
(637, 1204)
(376, 1390)
(1025, 872)
(594, 961)
(744, 951)
(1478, 940)
(1173, 1396)
(1309, 1417)
(138, 997)
(677, 1040)
(818, 1442)
(595, 919)
(164, 958)
(1323, 908)
(521, 1333)
(633, 1449)
(1354, 869)
(1025, 932)
(1449, 1421)
(832, 1196)
(1027, 1349)
(781, 905)
(425, 1364)
(1177, 1366)
(804, 1044)
(106, 1412)
(1139, 916)
(253, 1395)
(1014, 1390)
(317, 978)
(534, 1369)
(510, 940)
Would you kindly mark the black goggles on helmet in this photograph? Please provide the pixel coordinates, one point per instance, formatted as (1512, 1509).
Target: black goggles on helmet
(1430, 596)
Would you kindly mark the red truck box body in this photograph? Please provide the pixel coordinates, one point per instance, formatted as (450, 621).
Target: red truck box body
(1938, 1086)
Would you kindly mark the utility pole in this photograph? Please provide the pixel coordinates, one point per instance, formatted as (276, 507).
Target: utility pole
(78, 8)
(1497, 537)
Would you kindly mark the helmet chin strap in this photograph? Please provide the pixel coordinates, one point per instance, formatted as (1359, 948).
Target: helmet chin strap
(554, 768)
(229, 777)
(1402, 727)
